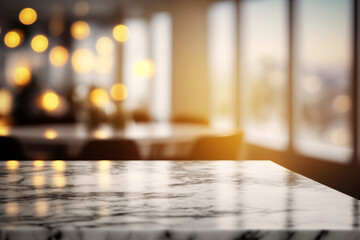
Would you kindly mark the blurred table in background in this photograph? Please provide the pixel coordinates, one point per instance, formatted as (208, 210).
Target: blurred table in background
(71, 137)
(169, 200)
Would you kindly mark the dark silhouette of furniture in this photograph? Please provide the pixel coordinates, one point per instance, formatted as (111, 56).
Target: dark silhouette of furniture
(190, 119)
(158, 150)
(114, 149)
(11, 149)
(217, 147)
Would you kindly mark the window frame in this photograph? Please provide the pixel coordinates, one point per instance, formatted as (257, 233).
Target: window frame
(291, 38)
(341, 176)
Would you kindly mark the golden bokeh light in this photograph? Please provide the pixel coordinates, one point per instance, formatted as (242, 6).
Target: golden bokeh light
(4, 131)
(99, 97)
(119, 92)
(13, 38)
(6, 102)
(21, 76)
(83, 61)
(50, 134)
(38, 164)
(121, 33)
(58, 165)
(39, 43)
(81, 9)
(58, 56)
(27, 16)
(103, 65)
(38, 181)
(144, 68)
(50, 101)
(12, 164)
(11, 209)
(342, 103)
(104, 46)
(80, 30)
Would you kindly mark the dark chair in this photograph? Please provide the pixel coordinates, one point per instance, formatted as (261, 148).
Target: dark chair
(158, 150)
(11, 149)
(190, 119)
(119, 149)
(217, 147)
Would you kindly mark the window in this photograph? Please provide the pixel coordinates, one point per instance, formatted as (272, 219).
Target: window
(316, 112)
(147, 65)
(264, 72)
(221, 45)
(161, 46)
(136, 49)
(322, 78)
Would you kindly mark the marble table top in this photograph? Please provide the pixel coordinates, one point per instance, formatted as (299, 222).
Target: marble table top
(169, 200)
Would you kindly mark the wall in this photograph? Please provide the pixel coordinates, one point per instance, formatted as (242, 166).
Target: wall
(190, 80)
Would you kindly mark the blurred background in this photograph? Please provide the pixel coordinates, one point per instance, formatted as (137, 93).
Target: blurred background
(283, 71)
(221, 63)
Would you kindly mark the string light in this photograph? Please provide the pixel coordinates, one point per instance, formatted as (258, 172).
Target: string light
(104, 46)
(50, 101)
(58, 56)
(13, 38)
(39, 43)
(83, 61)
(121, 33)
(80, 30)
(21, 76)
(119, 92)
(27, 16)
(99, 97)
(144, 68)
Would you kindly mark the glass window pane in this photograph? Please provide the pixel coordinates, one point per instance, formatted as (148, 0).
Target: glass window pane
(221, 50)
(161, 45)
(136, 51)
(322, 79)
(263, 52)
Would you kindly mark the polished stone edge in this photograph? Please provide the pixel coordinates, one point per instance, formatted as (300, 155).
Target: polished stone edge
(41, 233)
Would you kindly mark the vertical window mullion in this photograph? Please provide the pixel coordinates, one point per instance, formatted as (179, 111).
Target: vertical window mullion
(354, 80)
(237, 69)
(290, 96)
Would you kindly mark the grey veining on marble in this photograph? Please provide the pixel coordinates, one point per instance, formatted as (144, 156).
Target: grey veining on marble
(169, 200)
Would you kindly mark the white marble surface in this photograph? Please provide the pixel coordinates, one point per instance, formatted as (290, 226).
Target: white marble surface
(169, 200)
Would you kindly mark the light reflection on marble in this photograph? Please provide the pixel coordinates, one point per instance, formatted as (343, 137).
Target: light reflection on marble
(169, 200)
(38, 164)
